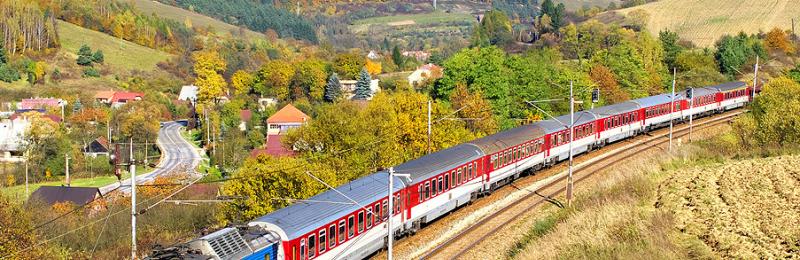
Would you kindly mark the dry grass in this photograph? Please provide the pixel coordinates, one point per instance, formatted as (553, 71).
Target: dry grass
(703, 22)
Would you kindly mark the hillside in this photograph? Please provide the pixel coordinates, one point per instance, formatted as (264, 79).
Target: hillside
(119, 53)
(703, 22)
(181, 15)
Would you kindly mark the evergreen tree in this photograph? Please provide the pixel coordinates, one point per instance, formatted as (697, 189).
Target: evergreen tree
(397, 57)
(98, 57)
(85, 56)
(77, 106)
(385, 44)
(669, 41)
(3, 54)
(363, 91)
(333, 90)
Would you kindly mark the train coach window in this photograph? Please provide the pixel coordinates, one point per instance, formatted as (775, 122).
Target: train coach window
(361, 221)
(332, 236)
(351, 226)
(453, 179)
(433, 188)
(342, 231)
(464, 173)
(427, 190)
(302, 249)
(312, 246)
(322, 238)
(446, 181)
(385, 211)
(441, 184)
(397, 203)
(471, 174)
(419, 192)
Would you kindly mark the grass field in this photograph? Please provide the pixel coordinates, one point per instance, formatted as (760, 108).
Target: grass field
(411, 20)
(703, 22)
(118, 53)
(180, 15)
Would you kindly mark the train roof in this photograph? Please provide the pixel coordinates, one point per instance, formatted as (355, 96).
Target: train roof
(305, 216)
(615, 109)
(432, 164)
(730, 86)
(654, 100)
(503, 140)
(562, 122)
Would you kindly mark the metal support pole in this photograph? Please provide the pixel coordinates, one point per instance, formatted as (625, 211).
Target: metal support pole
(391, 207)
(571, 138)
(691, 114)
(429, 126)
(146, 147)
(66, 168)
(672, 108)
(755, 80)
(27, 189)
(133, 202)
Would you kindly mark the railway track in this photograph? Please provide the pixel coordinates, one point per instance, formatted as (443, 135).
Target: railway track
(457, 245)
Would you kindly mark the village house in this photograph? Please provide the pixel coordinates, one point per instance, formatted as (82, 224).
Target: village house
(98, 147)
(121, 98)
(188, 93)
(78, 196)
(12, 134)
(41, 103)
(277, 125)
(104, 96)
(423, 73)
(419, 55)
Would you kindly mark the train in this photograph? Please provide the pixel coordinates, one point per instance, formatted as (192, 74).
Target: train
(350, 222)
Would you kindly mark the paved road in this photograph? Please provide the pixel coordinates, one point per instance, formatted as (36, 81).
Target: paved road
(177, 154)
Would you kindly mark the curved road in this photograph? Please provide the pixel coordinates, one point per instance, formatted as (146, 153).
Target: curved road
(177, 154)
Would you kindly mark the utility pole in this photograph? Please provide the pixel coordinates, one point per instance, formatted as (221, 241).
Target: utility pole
(755, 80)
(429, 126)
(66, 167)
(691, 113)
(434, 8)
(27, 189)
(571, 138)
(146, 147)
(133, 202)
(391, 208)
(672, 108)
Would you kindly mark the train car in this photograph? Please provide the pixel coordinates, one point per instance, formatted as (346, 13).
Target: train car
(617, 122)
(733, 94)
(511, 152)
(557, 131)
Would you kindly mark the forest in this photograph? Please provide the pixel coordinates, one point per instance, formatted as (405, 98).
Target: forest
(259, 16)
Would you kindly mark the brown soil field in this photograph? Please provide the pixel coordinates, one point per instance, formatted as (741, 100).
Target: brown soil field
(746, 209)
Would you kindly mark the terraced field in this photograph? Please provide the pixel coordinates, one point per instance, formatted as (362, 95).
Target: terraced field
(703, 22)
(744, 210)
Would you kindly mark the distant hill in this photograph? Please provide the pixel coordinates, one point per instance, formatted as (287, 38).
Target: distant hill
(197, 19)
(118, 53)
(703, 22)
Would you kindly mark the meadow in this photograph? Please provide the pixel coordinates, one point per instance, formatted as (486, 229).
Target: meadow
(119, 54)
(703, 22)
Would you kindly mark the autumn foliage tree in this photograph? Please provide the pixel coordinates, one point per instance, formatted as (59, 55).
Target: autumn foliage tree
(274, 79)
(609, 88)
(474, 109)
(373, 67)
(242, 82)
(777, 39)
(208, 69)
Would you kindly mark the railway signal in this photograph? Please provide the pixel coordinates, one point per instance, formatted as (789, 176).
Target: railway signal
(595, 96)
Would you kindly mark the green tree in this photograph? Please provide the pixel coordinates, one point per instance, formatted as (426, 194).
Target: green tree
(98, 57)
(84, 56)
(494, 29)
(776, 114)
(734, 51)
(3, 54)
(397, 57)
(669, 42)
(8, 74)
(310, 78)
(348, 65)
(274, 79)
(363, 90)
(333, 89)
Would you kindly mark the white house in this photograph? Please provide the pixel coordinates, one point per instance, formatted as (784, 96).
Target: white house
(422, 73)
(287, 118)
(12, 139)
(188, 93)
(349, 87)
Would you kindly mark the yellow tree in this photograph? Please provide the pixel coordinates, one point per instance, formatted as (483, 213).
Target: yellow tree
(274, 78)
(374, 68)
(208, 67)
(242, 82)
(778, 40)
(474, 109)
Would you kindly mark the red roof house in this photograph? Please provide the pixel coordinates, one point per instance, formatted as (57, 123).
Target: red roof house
(35, 103)
(121, 98)
(286, 118)
(104, 96)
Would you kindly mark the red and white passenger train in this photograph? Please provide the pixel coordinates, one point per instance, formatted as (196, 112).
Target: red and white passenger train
(350, 222)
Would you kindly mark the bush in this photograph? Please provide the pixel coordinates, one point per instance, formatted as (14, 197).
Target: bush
(8, 74)
(91, 72)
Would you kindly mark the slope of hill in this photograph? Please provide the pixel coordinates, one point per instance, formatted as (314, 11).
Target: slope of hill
(118, 53)
(703, 22)
(196, 19)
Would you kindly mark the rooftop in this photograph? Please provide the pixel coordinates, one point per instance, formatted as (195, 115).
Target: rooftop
(288, 114)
